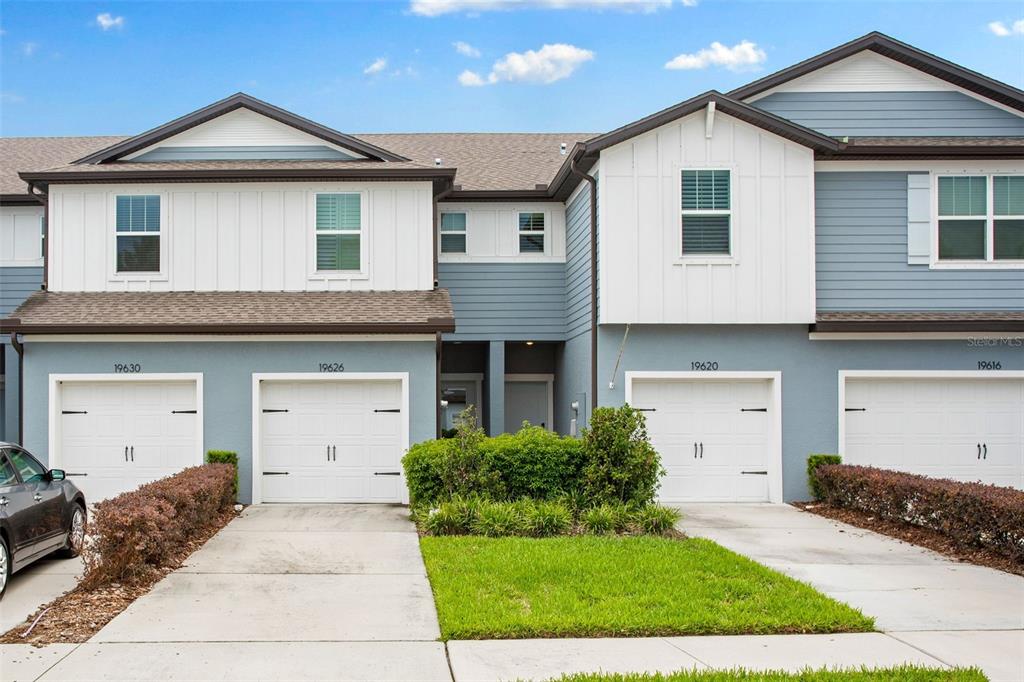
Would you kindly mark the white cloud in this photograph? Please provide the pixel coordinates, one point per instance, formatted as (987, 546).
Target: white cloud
(11, 98)
(544, 66)
(376, 67)
(29, 49)
(1002, 30)
(434, 8)
(742, 56)
(465, 49)
(107, 21)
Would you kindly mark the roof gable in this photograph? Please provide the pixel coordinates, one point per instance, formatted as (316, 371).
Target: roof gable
(896, 51)
(241, 118)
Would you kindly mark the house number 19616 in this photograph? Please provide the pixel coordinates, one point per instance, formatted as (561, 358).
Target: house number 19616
(990, 364)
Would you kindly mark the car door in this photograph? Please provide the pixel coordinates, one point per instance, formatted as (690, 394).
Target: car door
(46, 498)
(21, 511)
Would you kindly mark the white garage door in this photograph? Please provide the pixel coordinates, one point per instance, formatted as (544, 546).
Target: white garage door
(116, 435)
(332, 441)
(963, 429)
(715, 437)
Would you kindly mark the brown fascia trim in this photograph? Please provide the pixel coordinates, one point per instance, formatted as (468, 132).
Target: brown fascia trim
(236, 101)
(499, 195)
(898, 51)
(18, 200)
(243, 175)
(901, 152)
(431, 326)
(918, 326)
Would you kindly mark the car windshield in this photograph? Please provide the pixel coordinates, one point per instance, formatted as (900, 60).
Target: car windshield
(27, 466)
(7, 475)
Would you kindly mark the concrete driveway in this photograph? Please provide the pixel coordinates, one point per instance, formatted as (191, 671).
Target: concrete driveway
(35, 585)
(958, 613)
(283, 592)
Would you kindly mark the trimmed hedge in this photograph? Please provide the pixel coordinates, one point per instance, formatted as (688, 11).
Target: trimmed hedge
(813, 462)
(224, 457)
(532, 463)
(142, 530)
(970, 514)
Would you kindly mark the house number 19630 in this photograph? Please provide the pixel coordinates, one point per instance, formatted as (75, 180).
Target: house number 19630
(127, 367)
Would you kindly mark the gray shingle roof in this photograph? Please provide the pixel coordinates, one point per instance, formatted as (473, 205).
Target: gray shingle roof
(19, 154)
(234, 312)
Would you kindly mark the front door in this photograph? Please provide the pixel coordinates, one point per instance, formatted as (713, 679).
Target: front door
(458, 395)
(527, 400)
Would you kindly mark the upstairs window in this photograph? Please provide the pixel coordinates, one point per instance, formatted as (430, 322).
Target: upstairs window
(453, 233)
(981, 218)
(137, 229)
(706, 212)
(531, 233)
(339, 227)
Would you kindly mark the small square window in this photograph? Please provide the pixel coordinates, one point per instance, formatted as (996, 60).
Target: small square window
(706, 200)
(453, 233)
(962, 239)
(531, 232)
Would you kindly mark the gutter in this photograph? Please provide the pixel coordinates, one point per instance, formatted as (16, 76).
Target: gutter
(19, 348)
(574, 170)
(43, 199)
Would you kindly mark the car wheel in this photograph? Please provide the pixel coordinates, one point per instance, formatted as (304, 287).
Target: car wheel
(5, 566)
(76, 534)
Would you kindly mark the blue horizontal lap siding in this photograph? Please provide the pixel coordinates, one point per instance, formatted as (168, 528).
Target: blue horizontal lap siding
(243, 152)
(861, 254)
(16, 284)
(577, 265)
(495, 301)
(898, 114)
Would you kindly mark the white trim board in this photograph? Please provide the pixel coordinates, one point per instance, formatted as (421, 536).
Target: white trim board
(257, 377)
(775, 457)
(1016, 339)
(953, 374)
(55, 380)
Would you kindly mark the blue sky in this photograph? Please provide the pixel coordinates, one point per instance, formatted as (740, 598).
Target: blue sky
(85, 68)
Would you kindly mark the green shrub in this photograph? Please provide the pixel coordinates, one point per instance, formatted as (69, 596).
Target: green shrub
(533, 463)
(599, 520)
(621, 465)
(813, 462)
(454, 517)
(500, 519)
(225, 457)
(654, 519)
(545, 519)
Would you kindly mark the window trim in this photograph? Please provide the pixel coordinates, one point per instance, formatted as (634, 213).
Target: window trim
(707, 258)
(155, 275)
(441, 232)
(545, 233)
(989, 262)
(364, 252)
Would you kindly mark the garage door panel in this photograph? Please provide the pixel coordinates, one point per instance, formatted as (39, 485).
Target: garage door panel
(335, 416)
(936, 426)
(695, 412)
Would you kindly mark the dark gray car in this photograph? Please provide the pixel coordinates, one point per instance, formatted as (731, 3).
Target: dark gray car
(41, 512)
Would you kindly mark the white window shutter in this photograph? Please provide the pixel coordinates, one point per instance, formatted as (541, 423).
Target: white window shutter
(919, 218)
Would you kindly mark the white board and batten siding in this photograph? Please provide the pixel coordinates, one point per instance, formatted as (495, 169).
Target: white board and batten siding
(769, 277)
(242, 237)
(492, 232)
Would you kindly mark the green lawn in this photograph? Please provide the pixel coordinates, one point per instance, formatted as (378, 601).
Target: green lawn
(901, 674)
(587, 586)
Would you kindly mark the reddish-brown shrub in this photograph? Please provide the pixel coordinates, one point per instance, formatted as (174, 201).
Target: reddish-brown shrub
(139, 531)
(970, 514)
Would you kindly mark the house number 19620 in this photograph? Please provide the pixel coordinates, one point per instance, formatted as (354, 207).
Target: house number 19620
(704, 366)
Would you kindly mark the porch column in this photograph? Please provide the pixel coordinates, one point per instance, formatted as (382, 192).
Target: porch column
(496, 388)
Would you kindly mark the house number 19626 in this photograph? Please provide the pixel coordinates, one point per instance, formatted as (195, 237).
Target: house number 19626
(332, 367)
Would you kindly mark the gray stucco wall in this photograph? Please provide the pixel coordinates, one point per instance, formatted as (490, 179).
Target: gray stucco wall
(892, 113)
(506, 301)
(227, 369)
(810, 381)
(861, 254)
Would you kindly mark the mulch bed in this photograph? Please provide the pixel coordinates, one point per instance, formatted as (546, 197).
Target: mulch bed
(79, 614)
(915, 535)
